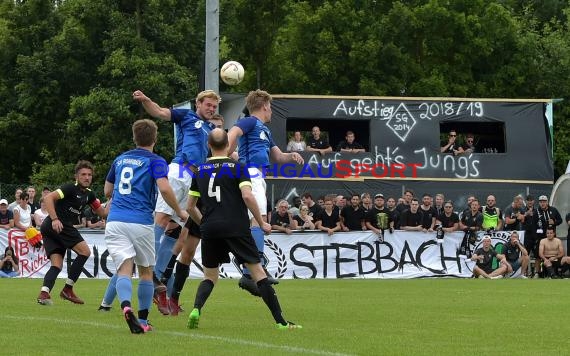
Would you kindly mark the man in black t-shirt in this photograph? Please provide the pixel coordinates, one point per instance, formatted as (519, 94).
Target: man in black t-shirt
(317, 143)
(225, 189)
(352, 216)
(484, 257)
(64, 206)
(516, 255)
(411, 219)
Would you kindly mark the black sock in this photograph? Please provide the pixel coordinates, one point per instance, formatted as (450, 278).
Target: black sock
(550, 271)
(270, 298)
(76, 267)
(182, 272)
(51, 276)
(169, 268)
(143, 314)
(203, 292)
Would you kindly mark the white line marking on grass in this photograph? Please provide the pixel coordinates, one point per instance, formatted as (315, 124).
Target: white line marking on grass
(189, 334)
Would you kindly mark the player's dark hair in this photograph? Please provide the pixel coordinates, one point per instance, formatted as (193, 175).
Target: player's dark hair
(144, 132)
(83, 164)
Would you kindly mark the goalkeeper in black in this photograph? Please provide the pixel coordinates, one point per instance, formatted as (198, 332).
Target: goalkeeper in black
(224, 187)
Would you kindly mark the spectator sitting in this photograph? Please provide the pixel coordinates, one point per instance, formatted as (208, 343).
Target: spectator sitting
(304, 220)
(349, 144)
(9, 266)
(317, 143)
(469, 146)
(6, 216)
(297, 144)
(40, 213)
(517, 255)
(282, 220)
(452, 147)
(329, 219)
(23, 213)
(484, 257)
(551, 252)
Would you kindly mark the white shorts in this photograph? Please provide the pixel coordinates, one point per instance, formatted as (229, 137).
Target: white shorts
(128, 240)
(259, 189)
(179, 179)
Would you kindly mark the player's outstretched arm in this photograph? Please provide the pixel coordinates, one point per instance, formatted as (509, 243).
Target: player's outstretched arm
(281, 157)
(151, 108)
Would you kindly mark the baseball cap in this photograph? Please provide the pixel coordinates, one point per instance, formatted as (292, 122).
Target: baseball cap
(379, 195)
(487, 237)
(3, 201)
(542, 197)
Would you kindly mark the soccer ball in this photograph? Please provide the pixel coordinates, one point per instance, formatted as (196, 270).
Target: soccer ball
(232, 73)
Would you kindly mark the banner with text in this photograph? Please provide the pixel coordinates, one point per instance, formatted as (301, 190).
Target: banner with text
(314, 254)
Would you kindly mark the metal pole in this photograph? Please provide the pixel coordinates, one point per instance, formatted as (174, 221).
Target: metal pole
(212, 50)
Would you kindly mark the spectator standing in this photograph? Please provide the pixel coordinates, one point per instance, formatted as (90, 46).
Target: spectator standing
(352, 216)
(282, 220)
(17, 194)
(407, 199)
(429, 214)
(328, 220)
(439, 202)
(411, 219)
(514, 215)
(314, 208)
(379, 218)
(317, 143)
(41, 213)
(304, 220)
(23, 213)
(6, 216)
(297, 143)
(472, 220)
(32, 199)
(349, 145)
(449, 220)
(366, 202)
(492, 216)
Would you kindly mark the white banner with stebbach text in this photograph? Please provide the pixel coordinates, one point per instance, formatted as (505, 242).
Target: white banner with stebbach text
(307, 254)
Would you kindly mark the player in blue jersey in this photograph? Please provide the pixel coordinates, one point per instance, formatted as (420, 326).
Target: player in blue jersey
(132, 183)
(224, 188)
(64, 207)
(256, 148)
(192, 130)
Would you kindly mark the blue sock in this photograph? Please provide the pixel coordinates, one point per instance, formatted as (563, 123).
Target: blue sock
(170, 285)
(144, 293)
(163, 255)
(124, 289)
(158, 232)
(111, 291)
(259, 238)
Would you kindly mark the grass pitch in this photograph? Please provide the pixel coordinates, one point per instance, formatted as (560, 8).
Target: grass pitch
(339, 317)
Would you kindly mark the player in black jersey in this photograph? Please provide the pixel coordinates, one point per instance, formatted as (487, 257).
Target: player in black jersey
(64, 207)
(224, 186)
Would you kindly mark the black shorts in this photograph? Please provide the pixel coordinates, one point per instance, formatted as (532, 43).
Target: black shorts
(193, 228)
(531, 242)
(215, 250)
(59, 243)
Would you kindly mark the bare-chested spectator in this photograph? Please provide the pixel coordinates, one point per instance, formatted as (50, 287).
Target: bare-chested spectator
(551, 252)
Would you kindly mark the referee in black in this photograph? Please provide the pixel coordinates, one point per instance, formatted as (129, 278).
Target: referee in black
(224, 187)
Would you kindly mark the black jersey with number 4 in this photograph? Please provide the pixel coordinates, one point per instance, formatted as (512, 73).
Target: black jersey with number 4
(217, 183)
(72, 201)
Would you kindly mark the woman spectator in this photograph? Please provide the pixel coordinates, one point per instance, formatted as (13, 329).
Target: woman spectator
(23, 213)
(40, 213)
(9, 267)
(304, 220)
(297, 144)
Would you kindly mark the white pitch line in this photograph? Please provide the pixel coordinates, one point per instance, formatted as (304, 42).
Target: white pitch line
(265, 345)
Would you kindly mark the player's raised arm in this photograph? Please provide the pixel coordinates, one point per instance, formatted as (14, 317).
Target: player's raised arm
(151, 108)
(233, 136)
